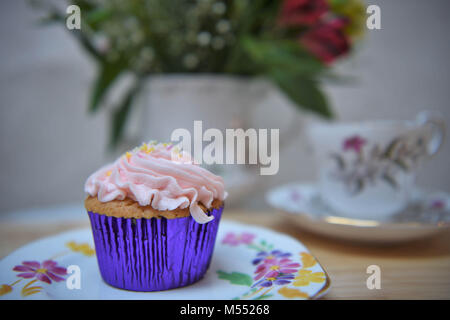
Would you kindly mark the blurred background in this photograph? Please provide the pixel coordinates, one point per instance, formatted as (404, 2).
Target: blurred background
(50, 142)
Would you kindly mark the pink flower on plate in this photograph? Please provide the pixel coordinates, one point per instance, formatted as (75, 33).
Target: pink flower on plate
(295, 195)
(233, 239)
(355, 143)
(273, 267)
(45, 272)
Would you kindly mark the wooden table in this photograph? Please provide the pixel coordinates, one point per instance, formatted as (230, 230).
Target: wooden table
(415, 270)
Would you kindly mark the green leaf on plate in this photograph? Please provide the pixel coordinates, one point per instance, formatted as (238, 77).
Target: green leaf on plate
(236, 278)
(256, 247)
(263, 297)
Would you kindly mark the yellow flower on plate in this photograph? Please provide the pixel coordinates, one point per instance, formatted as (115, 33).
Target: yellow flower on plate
(4, 289)
(307, 260)
(305, 277)
(83, 248)
(292, 293)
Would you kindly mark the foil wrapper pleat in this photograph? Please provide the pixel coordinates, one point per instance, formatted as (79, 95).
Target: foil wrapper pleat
(153, 254)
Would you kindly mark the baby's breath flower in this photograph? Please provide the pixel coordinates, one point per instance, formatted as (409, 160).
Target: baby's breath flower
(137, 36)
(147, 53)
(190, 61)
(204, 38)
(219, 8)
(218, 43)
(223, 26)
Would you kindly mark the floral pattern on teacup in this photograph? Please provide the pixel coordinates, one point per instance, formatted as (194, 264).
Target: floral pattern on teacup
(359, 165)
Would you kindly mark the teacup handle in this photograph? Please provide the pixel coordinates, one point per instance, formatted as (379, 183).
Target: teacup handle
(438, 126)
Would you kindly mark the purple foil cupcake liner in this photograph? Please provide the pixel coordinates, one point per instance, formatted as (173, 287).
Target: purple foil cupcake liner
(153, 254)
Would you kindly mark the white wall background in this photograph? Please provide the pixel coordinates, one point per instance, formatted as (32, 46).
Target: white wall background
(49, 145)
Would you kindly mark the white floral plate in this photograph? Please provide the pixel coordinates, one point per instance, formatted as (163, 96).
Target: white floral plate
(249, 263)
(300, 203)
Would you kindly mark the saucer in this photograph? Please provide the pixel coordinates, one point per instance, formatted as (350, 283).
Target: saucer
(427, 214)
(242, 256)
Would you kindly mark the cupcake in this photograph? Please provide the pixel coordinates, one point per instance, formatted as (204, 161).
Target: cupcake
(154, 217)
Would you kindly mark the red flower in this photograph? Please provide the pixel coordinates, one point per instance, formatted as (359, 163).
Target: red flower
(46, 272)
(327, 41)
(302, 12)
(354, 143)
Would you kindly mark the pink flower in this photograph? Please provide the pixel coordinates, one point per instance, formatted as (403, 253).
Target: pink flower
(45, 272)
(234, 240)
(438, 204)
(302, 12)
(354, 143)
(271, 268)
(327, 41)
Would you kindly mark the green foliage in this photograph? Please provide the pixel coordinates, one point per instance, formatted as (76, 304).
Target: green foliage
(120, 114)
(106, 76)
(304, 92)
(282, 56)
(238, 37)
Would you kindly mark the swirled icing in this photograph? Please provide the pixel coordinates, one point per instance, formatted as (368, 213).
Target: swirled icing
(160, 176)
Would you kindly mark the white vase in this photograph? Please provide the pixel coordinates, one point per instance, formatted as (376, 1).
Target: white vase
(175, 101)
(170, 102)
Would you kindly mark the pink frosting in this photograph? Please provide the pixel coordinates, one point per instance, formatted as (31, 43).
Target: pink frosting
(153, 177)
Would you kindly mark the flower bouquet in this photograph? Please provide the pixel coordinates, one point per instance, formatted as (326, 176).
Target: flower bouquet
(292, 43)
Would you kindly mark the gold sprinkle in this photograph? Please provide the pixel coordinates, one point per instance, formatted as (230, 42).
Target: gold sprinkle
(109, 173)
(144, 147)
(128, 155)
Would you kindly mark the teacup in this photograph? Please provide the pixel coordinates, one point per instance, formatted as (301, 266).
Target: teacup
(367, 169)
